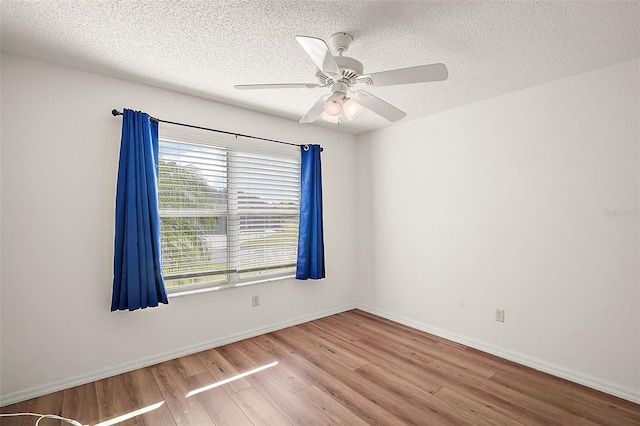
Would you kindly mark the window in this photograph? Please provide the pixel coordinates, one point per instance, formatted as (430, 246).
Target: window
(228, 210)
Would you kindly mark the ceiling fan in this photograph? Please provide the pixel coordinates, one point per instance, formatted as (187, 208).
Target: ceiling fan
(345, 76)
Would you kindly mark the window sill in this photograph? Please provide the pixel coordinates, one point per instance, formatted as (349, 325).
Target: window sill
(187, 292)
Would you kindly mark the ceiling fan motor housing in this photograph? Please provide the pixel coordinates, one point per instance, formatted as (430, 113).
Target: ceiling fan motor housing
(349, 68)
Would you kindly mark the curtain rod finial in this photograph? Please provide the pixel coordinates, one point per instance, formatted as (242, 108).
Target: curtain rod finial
(115, 112)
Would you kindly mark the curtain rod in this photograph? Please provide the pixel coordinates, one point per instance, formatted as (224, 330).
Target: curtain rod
(115, 113)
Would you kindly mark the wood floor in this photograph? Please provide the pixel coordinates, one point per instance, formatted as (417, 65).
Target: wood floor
(348, 369)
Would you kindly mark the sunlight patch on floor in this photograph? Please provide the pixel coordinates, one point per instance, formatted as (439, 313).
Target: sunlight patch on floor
(130, 415)
(230, 379)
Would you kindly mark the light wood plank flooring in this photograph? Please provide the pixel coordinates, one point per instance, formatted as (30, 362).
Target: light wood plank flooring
(352, 368)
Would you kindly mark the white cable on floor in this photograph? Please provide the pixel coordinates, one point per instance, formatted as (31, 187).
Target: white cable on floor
(44, 416)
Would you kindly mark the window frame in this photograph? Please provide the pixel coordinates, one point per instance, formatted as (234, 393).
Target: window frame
(233, 144)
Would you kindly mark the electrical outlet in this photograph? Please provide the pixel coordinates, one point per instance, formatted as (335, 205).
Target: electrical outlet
(255, 300)
(500, 315)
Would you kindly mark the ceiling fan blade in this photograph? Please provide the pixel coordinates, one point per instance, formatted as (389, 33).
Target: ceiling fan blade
(319, 52)
(276, 86)
(316, 111)
(419, 74)
(378, 106)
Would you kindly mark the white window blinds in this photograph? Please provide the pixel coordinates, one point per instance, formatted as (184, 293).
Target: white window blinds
(228, 210)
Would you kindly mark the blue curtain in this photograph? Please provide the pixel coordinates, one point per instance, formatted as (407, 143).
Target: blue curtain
(310, 263)
(137, 275)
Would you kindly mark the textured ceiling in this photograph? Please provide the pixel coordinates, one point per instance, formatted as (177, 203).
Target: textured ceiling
(205, 47)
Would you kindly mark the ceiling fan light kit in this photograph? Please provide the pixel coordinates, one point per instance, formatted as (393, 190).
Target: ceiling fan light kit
(344, 75)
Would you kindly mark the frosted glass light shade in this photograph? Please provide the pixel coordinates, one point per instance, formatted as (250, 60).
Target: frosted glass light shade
(331, 118)
(333, 104)
(352, 109)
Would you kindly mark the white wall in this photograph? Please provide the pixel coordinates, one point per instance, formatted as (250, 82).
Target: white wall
(58, 172)
(502, 204)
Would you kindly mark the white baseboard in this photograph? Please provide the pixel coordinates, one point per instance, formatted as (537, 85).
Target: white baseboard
(596, 383)
(13, 397)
